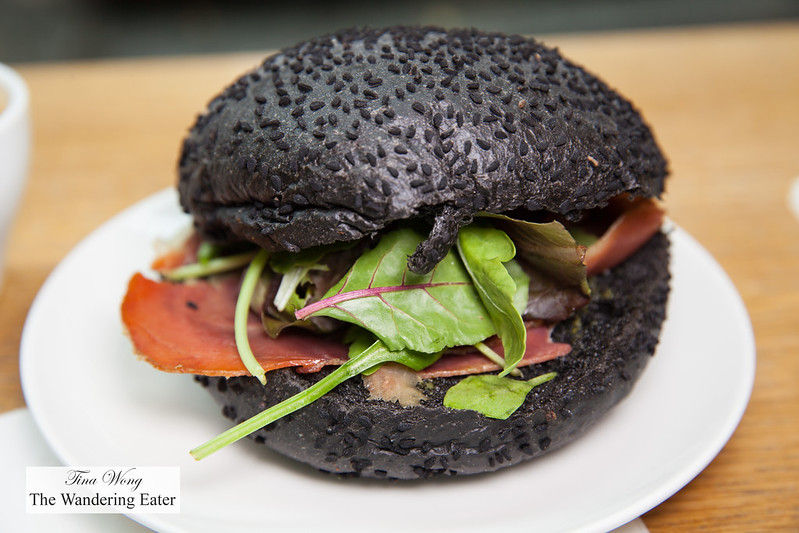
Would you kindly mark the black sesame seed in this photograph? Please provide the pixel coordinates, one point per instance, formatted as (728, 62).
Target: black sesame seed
(483, 144)
(399, 149)
(418, 107)
(316, 105)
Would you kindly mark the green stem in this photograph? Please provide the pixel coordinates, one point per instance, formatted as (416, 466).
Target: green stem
(496, 358)
(210, 267)
(543, 378)
(360, 363)
(242, 313)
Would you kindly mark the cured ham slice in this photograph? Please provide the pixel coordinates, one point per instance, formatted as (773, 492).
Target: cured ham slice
(460, 363)
(188, 328)
(629, 231)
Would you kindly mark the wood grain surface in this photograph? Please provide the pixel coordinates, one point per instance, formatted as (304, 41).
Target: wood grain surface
(723, 101)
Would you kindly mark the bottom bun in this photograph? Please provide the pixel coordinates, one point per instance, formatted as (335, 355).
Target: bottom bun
(347, 433)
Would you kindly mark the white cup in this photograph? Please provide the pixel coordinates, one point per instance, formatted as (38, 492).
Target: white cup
(15, 147)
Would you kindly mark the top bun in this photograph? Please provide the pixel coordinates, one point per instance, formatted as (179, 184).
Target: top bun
(339, 136)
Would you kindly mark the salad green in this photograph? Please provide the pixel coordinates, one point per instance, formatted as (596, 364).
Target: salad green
(477, 291)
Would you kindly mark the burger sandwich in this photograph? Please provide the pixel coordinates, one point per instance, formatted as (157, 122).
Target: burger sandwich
(416, 252)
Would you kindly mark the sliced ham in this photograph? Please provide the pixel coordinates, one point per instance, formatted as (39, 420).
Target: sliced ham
(469, 361)
(188, 328)
(636, 225)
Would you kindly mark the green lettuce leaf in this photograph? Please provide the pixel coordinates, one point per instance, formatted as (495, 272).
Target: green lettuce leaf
(484, 251)
(549, 248)
(494, 396)
(424, 313)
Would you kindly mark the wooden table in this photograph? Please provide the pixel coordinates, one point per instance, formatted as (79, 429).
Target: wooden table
(723, 101)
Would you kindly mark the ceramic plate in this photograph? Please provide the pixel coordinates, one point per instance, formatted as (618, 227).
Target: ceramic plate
(97, 404)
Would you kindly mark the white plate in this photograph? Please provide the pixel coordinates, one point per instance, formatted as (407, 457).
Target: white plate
(96, 404)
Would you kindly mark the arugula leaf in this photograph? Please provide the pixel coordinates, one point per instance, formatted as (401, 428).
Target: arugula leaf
(494, 396)
(484, 250)
(374, 355)
(424, 313)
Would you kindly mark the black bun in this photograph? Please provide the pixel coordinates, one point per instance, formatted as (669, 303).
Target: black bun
(339, 136)
(346, 433)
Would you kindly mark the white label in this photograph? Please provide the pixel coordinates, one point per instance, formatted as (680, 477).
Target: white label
(102, 489)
